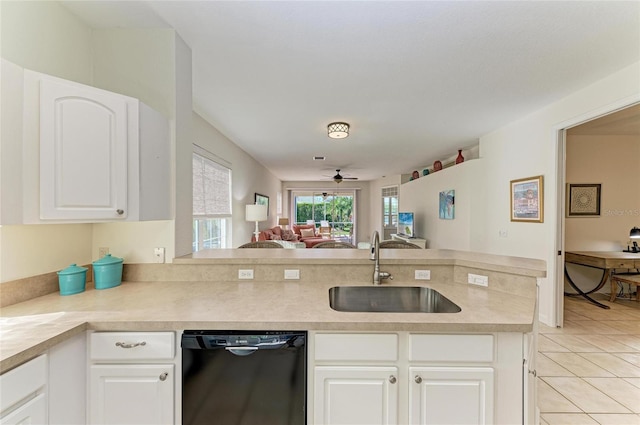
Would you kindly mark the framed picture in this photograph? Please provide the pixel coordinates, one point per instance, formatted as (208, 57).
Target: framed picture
(527, 200)
(447, 205)
(583, 200)
(262, 200)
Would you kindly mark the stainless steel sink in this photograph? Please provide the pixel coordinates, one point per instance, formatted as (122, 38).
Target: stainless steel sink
(393, 299)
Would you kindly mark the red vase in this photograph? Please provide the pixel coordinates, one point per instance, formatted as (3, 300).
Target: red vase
(460, 158)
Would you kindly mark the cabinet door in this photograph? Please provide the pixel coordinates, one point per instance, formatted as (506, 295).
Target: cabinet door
(451, 395)
(83, 152)
(32, 412)
(131, 394)
(355, 395)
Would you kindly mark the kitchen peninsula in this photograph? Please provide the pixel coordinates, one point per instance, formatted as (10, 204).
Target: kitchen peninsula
(203, 291)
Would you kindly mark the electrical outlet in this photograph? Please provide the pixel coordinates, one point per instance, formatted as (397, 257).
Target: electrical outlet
(503, 233)
(423, 274)
(478, 279)
(158, 255)
(245, 274)
(103, 251)
(292, 274)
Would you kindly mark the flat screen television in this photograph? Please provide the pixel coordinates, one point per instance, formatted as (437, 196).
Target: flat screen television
(405, 224)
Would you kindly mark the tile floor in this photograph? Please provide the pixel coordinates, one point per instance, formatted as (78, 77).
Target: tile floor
(589, 370)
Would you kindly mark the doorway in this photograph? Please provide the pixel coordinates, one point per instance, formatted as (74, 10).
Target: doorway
(582, 158)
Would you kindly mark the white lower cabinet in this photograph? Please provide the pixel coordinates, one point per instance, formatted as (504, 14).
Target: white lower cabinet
(23, 393)
(356, 395)
(132, 378)
(131, 394)
(33, 411)
(451, 395)
(408, 378)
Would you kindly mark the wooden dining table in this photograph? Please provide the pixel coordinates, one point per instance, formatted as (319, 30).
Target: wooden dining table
(608, 261)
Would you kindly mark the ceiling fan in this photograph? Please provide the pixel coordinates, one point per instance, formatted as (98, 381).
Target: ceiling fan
(338, 178)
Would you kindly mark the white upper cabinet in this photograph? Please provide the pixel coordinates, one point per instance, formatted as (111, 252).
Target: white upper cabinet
(83, 152)
(87, 155)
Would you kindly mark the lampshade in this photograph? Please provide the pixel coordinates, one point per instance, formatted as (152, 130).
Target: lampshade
(634, 233)
(338, 130)
(256, 212)
(283, 221)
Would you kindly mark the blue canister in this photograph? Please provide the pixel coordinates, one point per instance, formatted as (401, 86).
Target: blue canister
(107, 272)
(72, 280)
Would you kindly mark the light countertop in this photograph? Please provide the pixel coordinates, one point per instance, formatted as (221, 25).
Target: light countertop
(201, 291)
(30, 328)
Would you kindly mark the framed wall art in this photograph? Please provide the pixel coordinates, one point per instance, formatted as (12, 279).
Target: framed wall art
(447, 205)
(527, 200)
(262, 200)
(583, 200)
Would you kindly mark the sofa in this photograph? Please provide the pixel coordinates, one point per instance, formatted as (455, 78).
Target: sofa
(307, 233)
(276, 233)
(304, 233)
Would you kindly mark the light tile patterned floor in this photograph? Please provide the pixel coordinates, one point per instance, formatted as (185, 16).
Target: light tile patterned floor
(589, 370)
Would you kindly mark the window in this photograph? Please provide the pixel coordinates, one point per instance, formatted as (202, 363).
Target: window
(390, 207)
(211, 201)
(337, 208)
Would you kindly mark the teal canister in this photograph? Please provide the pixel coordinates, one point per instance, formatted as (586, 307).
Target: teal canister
(72, 280)
(107, 272)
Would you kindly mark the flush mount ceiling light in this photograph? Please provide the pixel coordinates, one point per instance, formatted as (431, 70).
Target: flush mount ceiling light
(338, 130)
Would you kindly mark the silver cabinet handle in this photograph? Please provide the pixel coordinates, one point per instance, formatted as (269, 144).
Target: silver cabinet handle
(393, 379)
(418, 379)
(128, 345)
(120, 212)
(163, 377)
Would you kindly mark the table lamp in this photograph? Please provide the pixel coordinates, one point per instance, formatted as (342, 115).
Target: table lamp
(255, 212)
(283, 221)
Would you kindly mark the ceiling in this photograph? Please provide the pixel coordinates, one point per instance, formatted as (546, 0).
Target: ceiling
(416, 80)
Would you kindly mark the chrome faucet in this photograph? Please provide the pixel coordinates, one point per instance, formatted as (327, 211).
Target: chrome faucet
(375, 256)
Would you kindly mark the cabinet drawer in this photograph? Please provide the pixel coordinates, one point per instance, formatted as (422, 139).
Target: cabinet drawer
(451, 348)
(381, 347)
(22, 381)
(624, 264)
(132, 345)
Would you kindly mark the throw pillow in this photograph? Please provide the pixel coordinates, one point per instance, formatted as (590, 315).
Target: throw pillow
(276, 238)
(307, 233)
(297, 228)
(288, 235)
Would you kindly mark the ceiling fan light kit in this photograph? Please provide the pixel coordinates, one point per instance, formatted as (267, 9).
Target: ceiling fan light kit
(338, 178)
(338, 130)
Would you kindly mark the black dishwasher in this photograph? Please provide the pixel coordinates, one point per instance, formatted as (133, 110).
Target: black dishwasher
(244, 377)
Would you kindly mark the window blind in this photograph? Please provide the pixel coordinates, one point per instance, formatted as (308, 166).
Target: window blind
(211, 188)
(390, 191)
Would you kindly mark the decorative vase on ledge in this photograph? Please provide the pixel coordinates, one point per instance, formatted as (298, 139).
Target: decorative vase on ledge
(460, 158)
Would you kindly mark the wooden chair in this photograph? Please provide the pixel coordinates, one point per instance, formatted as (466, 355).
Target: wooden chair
(334, 244)
(324, 231)
(261, 244)
(393, 244)
(630, 279)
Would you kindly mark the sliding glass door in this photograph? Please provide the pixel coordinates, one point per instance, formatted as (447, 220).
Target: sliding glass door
(334, 209)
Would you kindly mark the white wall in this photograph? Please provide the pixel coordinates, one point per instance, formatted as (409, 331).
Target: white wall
(528, 147)
(422, 196)
(141, 64)
(45, 37)
(248, 177)
(153, 65)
